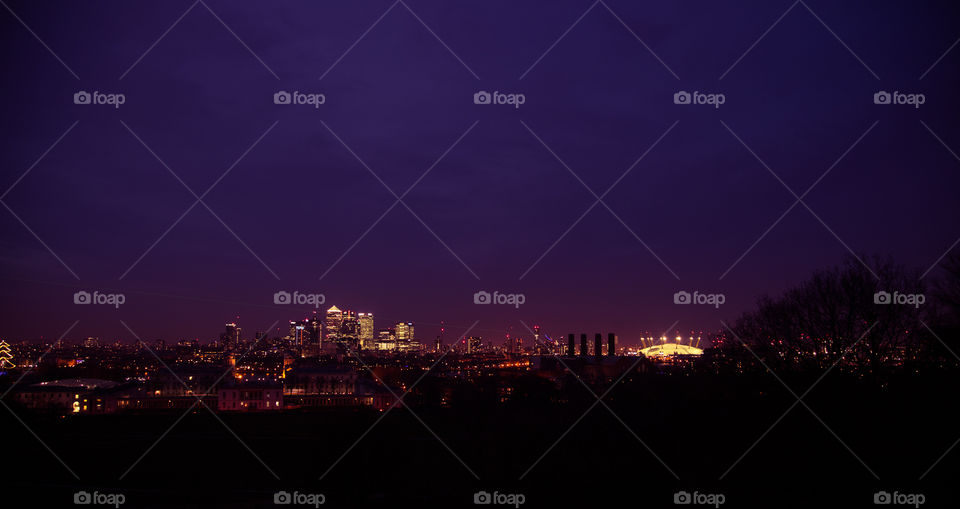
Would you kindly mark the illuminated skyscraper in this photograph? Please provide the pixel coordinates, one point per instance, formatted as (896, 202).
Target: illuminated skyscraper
(332, 324)
(404, 331)
(349, 325)
(231, 336)
(366, 330)
(473, 344)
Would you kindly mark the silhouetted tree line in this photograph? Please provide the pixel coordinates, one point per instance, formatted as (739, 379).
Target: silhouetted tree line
(848, 315)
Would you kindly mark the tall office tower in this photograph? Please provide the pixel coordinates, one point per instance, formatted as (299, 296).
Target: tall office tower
(571, 345)
(366, 330)
(331, 325)
(350, 326)
(300, 336)
(598, 344)
(231, 335)
(583, 345)
(536, 336)
(315, 330)
(611, 344)
(404, 331)
(259, 335)
(473, 344)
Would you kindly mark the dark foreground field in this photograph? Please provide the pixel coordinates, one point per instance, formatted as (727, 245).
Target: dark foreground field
(699, 426)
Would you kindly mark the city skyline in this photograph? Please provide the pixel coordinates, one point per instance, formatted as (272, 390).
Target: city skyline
(422, 253)
(496, 197)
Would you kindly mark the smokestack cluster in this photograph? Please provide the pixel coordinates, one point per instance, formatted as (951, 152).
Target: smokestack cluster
(597, 345)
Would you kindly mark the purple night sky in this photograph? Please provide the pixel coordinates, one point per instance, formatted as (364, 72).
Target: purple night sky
(402, 97)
